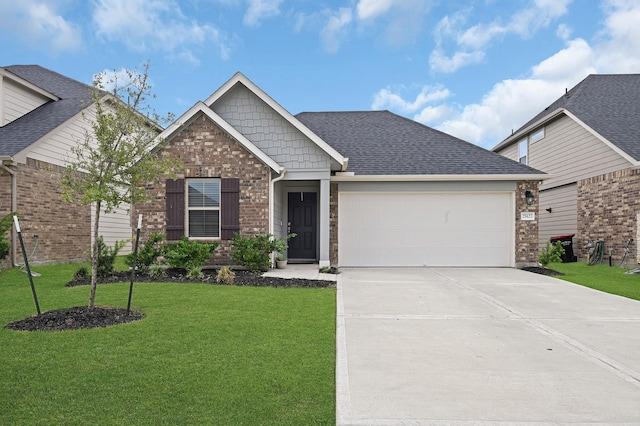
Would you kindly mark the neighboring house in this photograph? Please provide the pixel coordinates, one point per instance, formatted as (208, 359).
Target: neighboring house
(41, 118)
(358, 188)
(588, 141)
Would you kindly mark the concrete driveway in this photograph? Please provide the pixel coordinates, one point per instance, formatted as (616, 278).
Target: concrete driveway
(483, 347)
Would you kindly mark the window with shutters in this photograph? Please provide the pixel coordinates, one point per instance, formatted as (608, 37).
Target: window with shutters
(203, 208)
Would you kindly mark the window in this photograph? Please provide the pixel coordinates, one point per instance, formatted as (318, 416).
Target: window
(203, 208)
(522, 149)
(210, 208)
(537, 135)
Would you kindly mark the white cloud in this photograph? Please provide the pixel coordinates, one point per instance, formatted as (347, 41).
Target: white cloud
(471, 42)
(259, 10)
(433, 114)
(368, 9)
(335, 29)
(439, 62)
(144, 25)
(40, 24)
(386, 98)
(619, 47)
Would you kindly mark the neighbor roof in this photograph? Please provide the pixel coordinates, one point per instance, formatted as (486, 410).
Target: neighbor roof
(607, 103)
(383, 143)
(73, 98)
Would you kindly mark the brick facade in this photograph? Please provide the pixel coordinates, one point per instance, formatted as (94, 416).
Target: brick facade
(63, 229)
(608, 207)
(333, 223)
(206, 150)
(526, 230)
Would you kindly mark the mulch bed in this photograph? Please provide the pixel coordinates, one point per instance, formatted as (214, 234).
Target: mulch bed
(83, 317)
(542, 271)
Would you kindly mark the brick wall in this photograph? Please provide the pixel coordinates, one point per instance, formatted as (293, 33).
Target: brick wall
(333, 223)
(5, 206)
(206, 150)
(63, 229)
(608, 206)
(526, 230)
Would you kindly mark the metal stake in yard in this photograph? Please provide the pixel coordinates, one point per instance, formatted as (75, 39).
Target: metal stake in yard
(26, 263)
(133, 266)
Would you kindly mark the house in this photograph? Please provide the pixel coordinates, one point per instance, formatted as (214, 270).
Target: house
(588, 141)
(358, 188)
(41, 118)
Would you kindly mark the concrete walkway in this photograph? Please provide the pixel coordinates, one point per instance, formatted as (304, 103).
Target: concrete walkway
(483, 347)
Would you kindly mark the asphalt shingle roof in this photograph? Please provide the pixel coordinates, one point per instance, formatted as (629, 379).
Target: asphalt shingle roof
(609, 104)
(22, 132)
(383, 143)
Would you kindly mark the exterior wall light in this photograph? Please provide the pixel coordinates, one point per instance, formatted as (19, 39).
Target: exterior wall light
(529, 196)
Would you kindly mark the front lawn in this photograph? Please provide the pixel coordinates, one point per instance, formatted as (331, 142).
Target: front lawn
(610, 279)
(204, 354)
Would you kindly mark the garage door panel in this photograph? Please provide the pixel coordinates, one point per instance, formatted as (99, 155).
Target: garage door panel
(426, 229)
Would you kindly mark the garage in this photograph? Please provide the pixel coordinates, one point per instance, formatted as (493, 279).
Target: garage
(426, 229)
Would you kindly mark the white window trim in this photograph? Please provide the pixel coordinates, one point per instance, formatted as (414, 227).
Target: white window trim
(523, 142)
(189, 209)
(537, 135)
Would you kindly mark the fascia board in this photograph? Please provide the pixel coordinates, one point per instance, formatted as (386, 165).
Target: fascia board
(607, 142)
(242, 79)
(518, 135)
(201, 107)
(438, 178)
(8, 74)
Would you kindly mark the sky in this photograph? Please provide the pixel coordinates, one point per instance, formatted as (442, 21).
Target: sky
(476, 69)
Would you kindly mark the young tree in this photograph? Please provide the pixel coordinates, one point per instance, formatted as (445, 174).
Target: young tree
(115, 159)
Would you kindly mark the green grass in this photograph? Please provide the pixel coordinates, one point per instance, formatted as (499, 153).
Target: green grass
(610, 279)
(204, 354)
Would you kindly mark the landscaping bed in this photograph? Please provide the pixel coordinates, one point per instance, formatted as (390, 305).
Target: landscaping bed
(84, 317)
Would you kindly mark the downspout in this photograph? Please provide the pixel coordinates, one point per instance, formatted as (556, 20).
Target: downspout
(282, 172)
(272, 182)
(14, 208)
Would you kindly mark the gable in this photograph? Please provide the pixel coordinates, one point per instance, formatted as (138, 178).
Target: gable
(270, 131)
(17, 100)
(569, 152)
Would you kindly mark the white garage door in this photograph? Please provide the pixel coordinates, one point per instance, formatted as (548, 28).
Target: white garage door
(426, 229)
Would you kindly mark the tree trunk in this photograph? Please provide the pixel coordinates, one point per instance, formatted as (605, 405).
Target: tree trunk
(94, 257)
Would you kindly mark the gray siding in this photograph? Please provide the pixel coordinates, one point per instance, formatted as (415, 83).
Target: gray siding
(269, 131)
(563, 218)
(17, 101)
(569, 153)
(511, 152)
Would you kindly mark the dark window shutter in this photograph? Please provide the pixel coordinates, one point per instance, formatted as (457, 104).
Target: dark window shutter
(175, 209)
(230, 207)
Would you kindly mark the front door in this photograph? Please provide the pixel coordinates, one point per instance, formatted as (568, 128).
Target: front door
(303, 210)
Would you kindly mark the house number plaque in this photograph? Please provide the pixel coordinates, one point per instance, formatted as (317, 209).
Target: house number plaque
(527, 216)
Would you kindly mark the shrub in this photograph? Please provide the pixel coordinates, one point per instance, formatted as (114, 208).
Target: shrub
(552, 253)
(81, 274)
(107, 256)
(148, 254)
(156, 271)
(188, 255)
(225, 276)
(254, 252)
(5, 226)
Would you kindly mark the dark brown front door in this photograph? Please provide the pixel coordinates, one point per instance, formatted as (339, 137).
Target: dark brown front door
(303, 208)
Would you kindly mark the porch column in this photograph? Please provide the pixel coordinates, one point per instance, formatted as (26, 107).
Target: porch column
(324, 223)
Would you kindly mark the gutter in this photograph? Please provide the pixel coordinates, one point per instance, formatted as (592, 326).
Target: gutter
(436, 178)
(14, 208)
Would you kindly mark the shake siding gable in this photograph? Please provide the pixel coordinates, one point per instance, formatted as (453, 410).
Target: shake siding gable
(269, 131)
